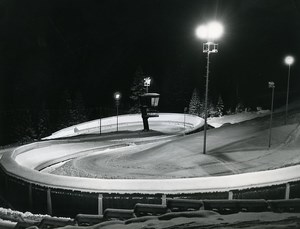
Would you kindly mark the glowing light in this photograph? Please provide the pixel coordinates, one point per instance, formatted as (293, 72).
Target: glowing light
(289, 60)
(147, 81)
(212, 30)
(117, 96)
(215, 30)
(202, 32)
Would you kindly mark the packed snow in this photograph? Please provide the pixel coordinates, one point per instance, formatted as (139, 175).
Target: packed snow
(165, 122)
(205, 219)
(176, 220)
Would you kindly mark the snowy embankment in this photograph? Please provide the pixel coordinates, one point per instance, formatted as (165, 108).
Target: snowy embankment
(179, 220)
(184, 220)
(236, 118)
(187, 122)
(204, 219)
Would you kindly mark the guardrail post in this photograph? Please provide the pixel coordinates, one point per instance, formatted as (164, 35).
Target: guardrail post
(30, 196)
(100, 204)
(230, 195)
(287, 191)
(49, 202)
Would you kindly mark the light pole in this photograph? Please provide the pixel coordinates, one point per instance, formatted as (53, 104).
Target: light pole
(147, 82)
(271, 85)
(289, 60)
(117, 96)
(208, 32)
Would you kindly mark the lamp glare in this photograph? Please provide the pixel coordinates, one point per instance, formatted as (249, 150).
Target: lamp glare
(215, 30)
(289, 60)
(201, 32)
(117, 96)
(211, 31)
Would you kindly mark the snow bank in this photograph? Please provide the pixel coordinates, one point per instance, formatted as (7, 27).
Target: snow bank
(126, 122)
(206, 219)
(236, 118)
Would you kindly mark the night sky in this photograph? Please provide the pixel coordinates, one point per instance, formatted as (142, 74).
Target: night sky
(94, 47)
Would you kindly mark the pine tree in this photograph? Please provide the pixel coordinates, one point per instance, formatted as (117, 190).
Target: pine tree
(239, 107)
(220, 107)
(23, 126)
(202, 108)
(65, 111)
(43, 123)
(72, 111)
(78, 109)
(195, 103)
(137, 89)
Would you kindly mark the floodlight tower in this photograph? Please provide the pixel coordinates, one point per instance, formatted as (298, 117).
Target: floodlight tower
(289, 60)
(117, 97)
(208, 32)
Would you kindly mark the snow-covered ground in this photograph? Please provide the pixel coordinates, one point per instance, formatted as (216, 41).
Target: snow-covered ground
(181, 220)
(236, 118)
(165, 122)
(175, 220)
(232, 150)
(207, 219)
(229, 147)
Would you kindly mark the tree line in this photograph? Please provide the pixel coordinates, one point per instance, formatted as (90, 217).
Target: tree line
(23, 125)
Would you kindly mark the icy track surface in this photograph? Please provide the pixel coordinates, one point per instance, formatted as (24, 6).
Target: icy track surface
(144, 161)
(234, 149)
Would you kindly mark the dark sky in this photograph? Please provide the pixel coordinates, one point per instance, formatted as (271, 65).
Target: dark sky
(94, 47)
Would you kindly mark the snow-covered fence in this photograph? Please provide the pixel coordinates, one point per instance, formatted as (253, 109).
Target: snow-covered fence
(190, 122)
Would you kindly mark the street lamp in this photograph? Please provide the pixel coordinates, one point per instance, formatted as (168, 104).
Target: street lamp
(289, 60)
(208, 32)
(117, 97)
(147, 82)
(271, 85)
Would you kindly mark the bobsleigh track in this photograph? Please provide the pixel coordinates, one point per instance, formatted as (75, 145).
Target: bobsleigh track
(26, 188)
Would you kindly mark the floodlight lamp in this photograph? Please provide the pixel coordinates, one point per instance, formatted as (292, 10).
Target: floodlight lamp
(147, 81)
(289, 60)
(201, 32)
(117, 96)
(271, 84)
(215, 30)
(211, 31)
